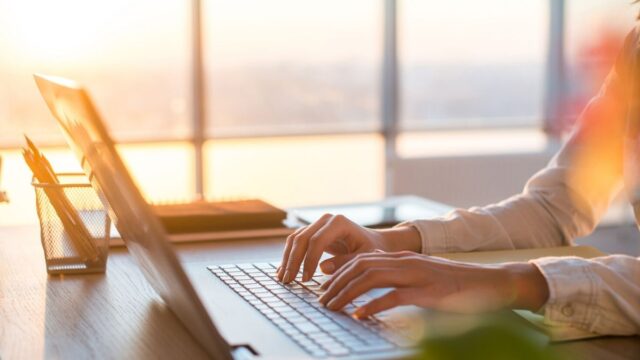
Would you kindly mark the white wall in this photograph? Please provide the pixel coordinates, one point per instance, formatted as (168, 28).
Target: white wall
(465, 181)
(476, 180)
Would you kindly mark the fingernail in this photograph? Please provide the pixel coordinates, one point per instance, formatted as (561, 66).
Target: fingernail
(327, 267)
(359, 313)
(287, 275)
(331, 304)
(321, 299)
(324, 285)
(305, 276)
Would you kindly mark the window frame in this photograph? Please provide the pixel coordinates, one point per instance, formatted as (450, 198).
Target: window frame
(389, 100)
(554, 83)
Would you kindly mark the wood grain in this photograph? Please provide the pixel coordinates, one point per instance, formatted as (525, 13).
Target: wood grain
(118, 315)
(115, 315)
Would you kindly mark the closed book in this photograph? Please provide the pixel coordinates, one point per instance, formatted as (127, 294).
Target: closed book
(204, 216)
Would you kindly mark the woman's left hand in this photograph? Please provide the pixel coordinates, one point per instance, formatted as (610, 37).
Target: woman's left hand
(433, 282)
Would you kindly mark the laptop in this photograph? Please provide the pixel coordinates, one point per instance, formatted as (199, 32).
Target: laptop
(286, 321)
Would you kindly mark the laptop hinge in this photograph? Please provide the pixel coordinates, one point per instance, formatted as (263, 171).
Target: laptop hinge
(243, 352)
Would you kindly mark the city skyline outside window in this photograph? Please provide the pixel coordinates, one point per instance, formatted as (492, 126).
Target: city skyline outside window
(133, 57)
(270, 76)
(472, 63)
(314, 68)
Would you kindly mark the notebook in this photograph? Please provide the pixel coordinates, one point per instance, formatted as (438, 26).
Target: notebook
(204, 216)
(219, 220)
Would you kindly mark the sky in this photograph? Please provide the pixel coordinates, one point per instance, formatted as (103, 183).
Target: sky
(68, 32)
(76, 32)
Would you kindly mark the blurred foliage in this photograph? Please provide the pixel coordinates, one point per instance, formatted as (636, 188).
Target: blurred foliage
(495, 337)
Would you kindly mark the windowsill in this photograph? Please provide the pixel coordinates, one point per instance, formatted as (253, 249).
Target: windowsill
(475, 143)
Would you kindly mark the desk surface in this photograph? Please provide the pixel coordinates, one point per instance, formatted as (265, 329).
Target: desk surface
(119, 315)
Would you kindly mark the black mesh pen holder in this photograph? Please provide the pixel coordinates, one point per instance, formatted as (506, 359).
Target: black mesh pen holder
(75, 241)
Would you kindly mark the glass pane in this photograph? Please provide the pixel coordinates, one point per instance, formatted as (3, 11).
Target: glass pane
(595, 30)
(147, 163)
(291, 66)
(417, 144)
(472, 63)
(132, 55)
(295, 171)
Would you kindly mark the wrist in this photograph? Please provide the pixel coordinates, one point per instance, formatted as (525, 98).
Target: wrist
(405, 238)
(528, 286)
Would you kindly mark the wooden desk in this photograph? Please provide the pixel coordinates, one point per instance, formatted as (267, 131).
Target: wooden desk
(118, 315)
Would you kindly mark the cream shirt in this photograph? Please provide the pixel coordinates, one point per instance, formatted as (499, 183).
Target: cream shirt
(563, 201)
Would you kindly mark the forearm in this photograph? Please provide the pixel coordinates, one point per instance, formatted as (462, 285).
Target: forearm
(517, 223)
(404, 238)
(563, 201)
(527, 285)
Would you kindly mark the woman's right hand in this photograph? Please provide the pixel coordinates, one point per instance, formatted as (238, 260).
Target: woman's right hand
(342, 238)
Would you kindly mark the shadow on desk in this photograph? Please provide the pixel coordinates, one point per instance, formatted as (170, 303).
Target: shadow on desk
(97, 316)
(118, 315)
(610, 348)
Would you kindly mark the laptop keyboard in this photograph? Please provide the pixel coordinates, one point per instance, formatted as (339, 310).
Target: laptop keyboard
(295, 310)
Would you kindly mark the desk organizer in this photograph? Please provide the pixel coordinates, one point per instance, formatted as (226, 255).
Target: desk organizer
(60, 251)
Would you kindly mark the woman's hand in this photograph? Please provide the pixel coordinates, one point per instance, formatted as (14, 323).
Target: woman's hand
(338, 236)
(433, 282)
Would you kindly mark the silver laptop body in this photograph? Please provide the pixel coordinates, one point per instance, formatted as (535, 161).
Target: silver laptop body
(248, 306)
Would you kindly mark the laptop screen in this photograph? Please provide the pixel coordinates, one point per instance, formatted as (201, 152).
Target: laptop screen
(142, 232)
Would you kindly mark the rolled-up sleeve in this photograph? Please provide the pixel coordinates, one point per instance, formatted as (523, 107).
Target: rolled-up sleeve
(561, 202)
(600, 295)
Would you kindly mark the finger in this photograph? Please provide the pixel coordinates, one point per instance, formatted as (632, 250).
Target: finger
(370, 279)
(335, 228)
(299, 248)
(338, 247)
(287, 250)
(377, 254)
(362, 257)
(357, 268)
(330, 265)
(349, 262)
(358, 260)
(393, 298)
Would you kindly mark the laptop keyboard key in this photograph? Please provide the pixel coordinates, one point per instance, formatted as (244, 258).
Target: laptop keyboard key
(295, 310)
(307, 327)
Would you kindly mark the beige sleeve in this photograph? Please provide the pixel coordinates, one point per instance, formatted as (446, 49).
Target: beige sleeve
(561, 202)
(600, 295)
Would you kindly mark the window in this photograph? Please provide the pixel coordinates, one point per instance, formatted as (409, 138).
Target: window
(290, 66)
(297, 171)
(147, 163)
(131, 54)
(472, 63)
(276, 68)
(595, 30)
(284, 67)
